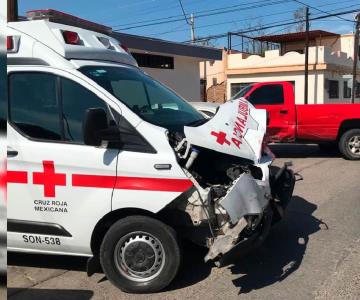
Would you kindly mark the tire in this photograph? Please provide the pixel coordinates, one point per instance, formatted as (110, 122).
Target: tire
(140, 254)
(349, 144)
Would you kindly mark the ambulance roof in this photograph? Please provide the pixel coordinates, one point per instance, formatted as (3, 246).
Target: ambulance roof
(67, 41)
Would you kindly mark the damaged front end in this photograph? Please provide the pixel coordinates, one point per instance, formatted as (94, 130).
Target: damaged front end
(237, 194)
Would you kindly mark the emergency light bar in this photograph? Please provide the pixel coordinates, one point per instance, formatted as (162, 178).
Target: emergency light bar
(71, 37)
(66, 19)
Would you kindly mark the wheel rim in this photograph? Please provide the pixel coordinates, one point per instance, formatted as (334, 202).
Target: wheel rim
(354, 145)
(139, 256)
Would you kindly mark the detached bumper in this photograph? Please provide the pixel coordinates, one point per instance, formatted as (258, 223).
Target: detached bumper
(252, 201)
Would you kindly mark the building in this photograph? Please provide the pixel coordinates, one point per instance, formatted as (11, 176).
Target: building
(174, 64)
(330, 67)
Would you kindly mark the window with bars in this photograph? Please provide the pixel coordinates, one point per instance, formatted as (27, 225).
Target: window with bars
(347, 89)
(333, 89)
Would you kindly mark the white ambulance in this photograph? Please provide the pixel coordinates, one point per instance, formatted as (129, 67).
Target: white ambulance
(106, 162)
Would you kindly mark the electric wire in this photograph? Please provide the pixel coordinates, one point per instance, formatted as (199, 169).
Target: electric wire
(271, 25)
(246, 19)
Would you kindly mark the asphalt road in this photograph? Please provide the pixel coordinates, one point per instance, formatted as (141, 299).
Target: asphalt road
(314, 253)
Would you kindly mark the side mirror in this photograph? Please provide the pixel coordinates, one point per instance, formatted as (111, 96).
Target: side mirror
(96, 128)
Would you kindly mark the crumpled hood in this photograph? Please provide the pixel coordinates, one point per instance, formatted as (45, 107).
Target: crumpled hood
(238, 129)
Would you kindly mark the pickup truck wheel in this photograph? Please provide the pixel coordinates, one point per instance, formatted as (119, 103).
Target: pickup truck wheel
(349, 144)
(140, 254)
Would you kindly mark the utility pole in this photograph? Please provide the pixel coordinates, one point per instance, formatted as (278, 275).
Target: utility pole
(12, 10)
(192, 24)
(356, 55)
(306, 93)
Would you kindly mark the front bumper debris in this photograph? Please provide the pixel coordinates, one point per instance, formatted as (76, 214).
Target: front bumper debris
(247, 198)
(282, 182)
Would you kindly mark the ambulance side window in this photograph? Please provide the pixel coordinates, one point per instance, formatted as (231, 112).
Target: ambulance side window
(34, 105)
(76, 100)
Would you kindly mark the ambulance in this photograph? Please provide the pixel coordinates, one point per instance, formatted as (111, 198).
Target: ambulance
(106, 162)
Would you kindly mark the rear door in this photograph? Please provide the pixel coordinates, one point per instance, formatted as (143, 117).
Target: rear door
(272, 97)
(52, 205)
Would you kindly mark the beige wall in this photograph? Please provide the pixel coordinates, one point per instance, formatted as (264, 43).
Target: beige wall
(184, 79)
(343, 43)
(214, 70)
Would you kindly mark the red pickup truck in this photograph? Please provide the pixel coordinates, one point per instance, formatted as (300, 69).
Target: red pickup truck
(317, 123)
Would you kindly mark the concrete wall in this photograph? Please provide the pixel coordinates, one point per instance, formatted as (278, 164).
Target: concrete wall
(343, 43)
(272, 58)
(214, 70)
(184, 79)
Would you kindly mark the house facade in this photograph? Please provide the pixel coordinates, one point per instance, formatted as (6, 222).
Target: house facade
(330, 67)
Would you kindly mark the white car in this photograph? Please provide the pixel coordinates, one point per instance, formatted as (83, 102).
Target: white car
(106, 162)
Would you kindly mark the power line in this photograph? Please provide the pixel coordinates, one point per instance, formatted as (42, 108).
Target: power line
(148, 11)
(207, 14)
(183, 11)
(273, 25)
(198, 12)
(320, 10)
(246, 19)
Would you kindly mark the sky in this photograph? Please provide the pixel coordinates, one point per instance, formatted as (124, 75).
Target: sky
(240, 14)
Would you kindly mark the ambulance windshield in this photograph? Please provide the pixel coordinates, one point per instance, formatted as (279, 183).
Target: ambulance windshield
(148, 98)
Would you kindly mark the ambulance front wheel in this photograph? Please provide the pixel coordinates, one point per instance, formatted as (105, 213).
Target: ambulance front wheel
(140, 254)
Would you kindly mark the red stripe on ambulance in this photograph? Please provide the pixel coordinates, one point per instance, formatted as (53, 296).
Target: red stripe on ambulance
(132, 183)
(16, 177)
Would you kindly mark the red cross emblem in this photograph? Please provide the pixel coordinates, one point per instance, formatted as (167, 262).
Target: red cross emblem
(49, 178)
(220, 137)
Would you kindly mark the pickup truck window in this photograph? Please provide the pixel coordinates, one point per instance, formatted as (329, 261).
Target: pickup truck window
(242, 92)
(239, 89)
(267, 95)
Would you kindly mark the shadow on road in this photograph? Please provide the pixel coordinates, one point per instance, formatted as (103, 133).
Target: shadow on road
(60, 262)
(282, 252)
(279, 256)
(193, 269)
(302, 151)
(45, 294)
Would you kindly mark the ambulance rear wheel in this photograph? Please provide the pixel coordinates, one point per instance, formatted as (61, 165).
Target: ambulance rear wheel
(140, 254)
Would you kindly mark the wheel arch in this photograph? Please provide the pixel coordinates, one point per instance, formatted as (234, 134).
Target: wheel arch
(169, 215)
(347, 125)
(108, 220)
